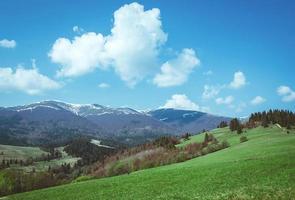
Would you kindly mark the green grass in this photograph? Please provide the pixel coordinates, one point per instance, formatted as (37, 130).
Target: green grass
(44, 165)
(261, 168)
(18, 152)
(23, 153)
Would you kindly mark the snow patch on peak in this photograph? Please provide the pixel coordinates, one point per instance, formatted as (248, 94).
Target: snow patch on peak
(78, 109)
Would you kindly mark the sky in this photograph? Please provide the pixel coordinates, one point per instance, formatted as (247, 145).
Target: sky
(228, 58)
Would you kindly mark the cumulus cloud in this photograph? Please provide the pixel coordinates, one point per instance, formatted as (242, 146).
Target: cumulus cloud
(7, 43)
(181, 101)
(134, 42)
(238, 81)
(287, 93)
(175, 72)
(258, 100)
(80, 56)
(227, 100)
(131, 50)
(103, 85)
(29, 81)
(210, 91)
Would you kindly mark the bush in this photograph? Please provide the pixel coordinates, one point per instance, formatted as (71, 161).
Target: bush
(166, 142)
(186, 136)
(239, 130)
(224, 144)
(193, 148)
(243, 139)
(119, 168)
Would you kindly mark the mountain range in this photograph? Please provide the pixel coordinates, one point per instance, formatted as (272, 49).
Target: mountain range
(56, 121)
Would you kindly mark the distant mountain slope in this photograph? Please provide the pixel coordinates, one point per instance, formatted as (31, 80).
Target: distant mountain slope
(57, 121)
(187, 120)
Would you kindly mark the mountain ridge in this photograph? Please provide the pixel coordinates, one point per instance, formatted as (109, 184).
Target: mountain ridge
(50, 119)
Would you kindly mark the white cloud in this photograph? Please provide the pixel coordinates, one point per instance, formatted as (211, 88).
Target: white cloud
(227, 100)
(131, 48)
(238, 81)
(80, 56)
(78, 29)
(181, 101)
(103, 85)
(284, 90)
(175, 72)
(7, 43)
(29, 81)
(258, 100)
(210, 91)
(134, 42)
(287, 93)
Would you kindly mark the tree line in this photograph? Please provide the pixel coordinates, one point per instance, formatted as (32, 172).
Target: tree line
(285, 118)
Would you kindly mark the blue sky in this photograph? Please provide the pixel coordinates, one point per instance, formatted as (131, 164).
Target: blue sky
(223, 57)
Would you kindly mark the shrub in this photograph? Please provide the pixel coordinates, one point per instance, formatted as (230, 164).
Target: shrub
(185, 136)
(166, 142)
(193, 148)
(224, 144)
(118, 169)
(243, 139)
(239, 130)
(136, 164)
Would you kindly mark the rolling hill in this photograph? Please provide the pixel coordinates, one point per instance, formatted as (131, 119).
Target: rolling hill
(261, 168)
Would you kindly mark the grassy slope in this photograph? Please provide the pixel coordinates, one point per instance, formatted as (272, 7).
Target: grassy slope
(44, 165)
(262, 168)
(19, 152)
(27, 152)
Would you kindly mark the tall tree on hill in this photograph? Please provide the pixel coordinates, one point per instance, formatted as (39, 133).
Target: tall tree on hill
(234, 123)
(264, 120)
(239, 129)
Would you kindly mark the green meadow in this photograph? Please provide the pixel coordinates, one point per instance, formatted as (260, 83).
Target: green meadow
(18, 152)
(261, 168)
(8, 152)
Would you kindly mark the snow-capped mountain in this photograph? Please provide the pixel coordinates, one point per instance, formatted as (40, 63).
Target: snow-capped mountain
(55, 120)
(77, 109)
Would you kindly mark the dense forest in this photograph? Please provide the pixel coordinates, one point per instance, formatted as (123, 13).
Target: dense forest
(88, 152)
(283, 117)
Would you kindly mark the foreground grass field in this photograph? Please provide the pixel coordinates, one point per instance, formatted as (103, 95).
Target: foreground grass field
(261, 168)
